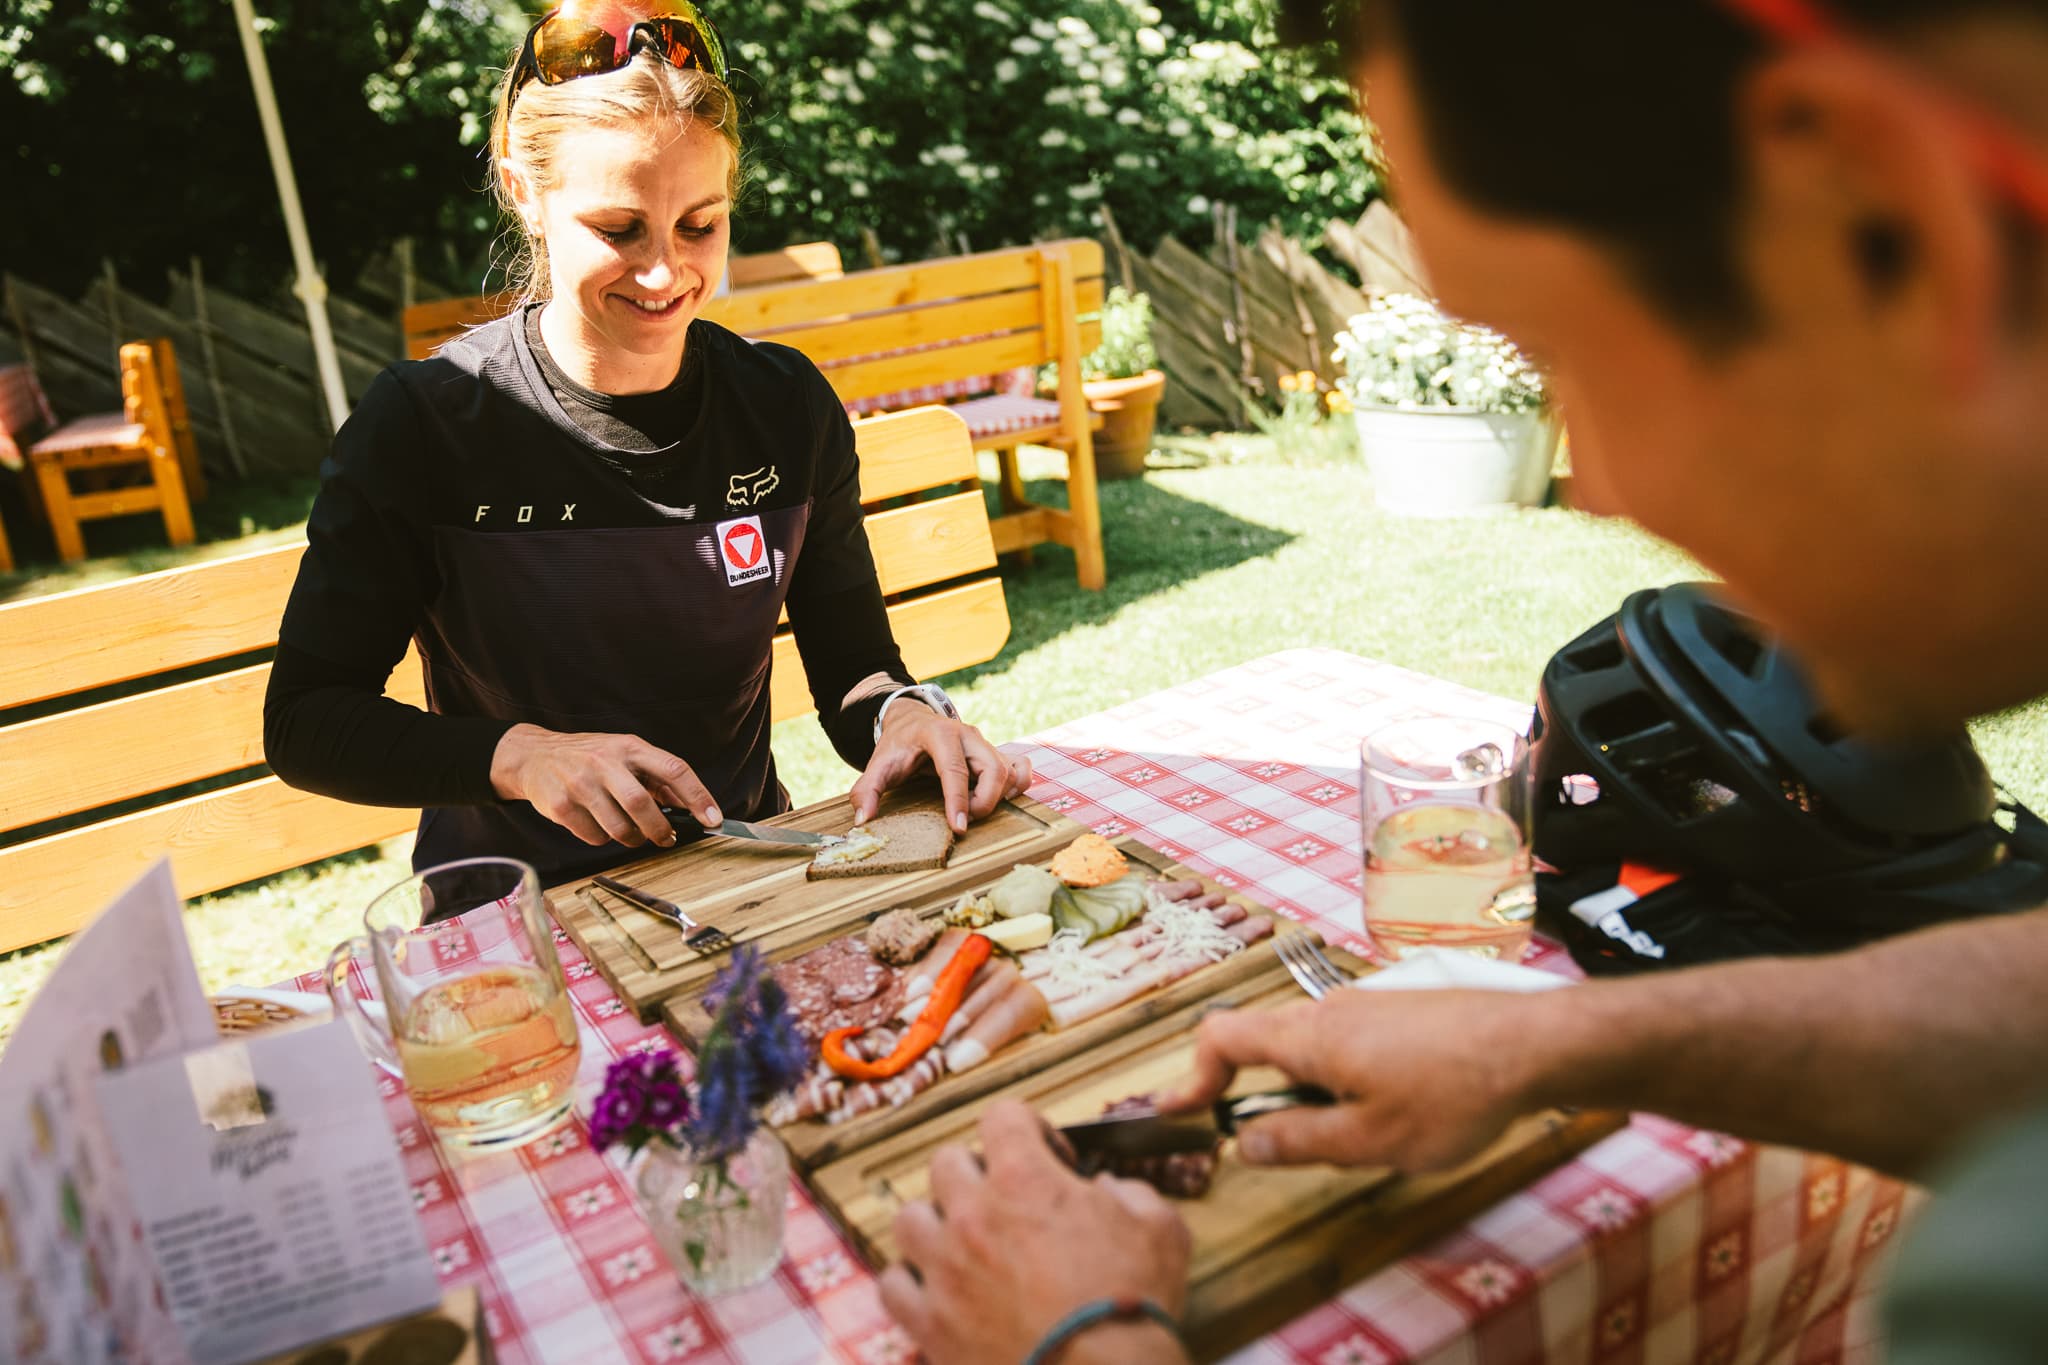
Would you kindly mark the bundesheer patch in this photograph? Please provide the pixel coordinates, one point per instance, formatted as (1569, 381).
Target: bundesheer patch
(743, 550)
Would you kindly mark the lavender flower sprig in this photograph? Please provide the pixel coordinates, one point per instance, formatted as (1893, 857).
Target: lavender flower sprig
(751, 1053)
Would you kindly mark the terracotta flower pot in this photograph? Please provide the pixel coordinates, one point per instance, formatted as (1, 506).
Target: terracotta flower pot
(1130, 413)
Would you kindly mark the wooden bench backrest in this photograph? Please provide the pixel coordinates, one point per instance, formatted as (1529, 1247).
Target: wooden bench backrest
(428, 325)
(143, 400)
(24, 413)
(901, 327)
(936, 561)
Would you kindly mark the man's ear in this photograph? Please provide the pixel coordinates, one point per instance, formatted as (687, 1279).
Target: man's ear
(1863, 213)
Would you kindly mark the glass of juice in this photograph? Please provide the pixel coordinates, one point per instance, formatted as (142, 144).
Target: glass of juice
(476, 1015)
(1444, 805)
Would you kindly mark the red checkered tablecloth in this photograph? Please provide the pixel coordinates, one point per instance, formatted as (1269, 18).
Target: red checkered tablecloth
(1662, 1243)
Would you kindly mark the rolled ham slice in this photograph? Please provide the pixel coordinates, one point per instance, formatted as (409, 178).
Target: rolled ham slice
(1021, 1010)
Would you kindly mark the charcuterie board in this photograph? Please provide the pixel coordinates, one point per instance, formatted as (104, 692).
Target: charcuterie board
(1268, 1242)
(757, 893)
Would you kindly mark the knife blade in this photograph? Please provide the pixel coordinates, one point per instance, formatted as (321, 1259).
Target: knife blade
(1151, 1133)
(746, 829)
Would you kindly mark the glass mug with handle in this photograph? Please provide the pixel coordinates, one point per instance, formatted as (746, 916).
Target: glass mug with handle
(1445, 814)
(487, 1048)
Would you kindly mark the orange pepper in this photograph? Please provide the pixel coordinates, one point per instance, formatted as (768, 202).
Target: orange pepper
(947, 992)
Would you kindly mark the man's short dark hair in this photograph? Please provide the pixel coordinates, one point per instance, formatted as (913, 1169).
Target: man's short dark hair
(1611, 118)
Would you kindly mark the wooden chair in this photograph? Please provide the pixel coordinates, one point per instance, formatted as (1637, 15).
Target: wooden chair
(152, 432)
(935, 558)
(427, 325)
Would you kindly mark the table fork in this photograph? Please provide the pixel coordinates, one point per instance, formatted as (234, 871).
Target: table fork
(1305, 962)
(704, 938)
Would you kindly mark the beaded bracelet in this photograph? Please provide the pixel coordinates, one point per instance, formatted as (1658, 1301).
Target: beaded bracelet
(1120, 1309)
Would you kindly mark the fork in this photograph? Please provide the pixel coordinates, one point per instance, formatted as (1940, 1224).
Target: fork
(703, 938)
(1305, 962)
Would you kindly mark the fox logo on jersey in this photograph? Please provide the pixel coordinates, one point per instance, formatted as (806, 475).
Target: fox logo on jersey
(747, 490)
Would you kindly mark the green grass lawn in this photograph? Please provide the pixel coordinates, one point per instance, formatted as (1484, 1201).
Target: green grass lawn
(1237, 555)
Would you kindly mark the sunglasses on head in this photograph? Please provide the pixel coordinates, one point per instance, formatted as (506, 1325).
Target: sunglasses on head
(2006, 162)
(596, 36)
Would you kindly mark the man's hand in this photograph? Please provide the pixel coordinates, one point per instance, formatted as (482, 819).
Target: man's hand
(1011, 1243)
(1424, 1079)
(599, 787)
(973, 774)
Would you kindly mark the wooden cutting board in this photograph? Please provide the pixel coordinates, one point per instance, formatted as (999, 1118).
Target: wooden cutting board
(1268, 1242)
(758, 894)
(1162, 1013)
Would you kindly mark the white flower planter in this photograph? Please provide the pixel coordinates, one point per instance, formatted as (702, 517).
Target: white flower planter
(1441, 462)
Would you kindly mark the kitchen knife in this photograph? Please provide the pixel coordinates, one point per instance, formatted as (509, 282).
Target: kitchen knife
(1151, 1133)
(745, 829)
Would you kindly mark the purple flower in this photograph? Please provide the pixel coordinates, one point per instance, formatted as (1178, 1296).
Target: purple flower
(667, 1104)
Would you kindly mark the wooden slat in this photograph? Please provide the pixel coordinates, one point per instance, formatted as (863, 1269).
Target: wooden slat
(803, 261)
(909, 451)
(90, 637)
(832, 341)
(119, 502)
(51, 886)
(442, 318)
(939, 632)
(145, 743)
(894, 374)
(758, 311)
(930, 542)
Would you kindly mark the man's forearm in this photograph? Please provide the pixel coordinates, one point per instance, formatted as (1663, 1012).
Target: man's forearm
(1887, 1055)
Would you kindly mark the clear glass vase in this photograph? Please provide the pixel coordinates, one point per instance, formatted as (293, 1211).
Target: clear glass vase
(718, 1222)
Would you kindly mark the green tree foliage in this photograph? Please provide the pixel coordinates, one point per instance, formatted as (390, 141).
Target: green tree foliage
(128, 129)
(998, 120)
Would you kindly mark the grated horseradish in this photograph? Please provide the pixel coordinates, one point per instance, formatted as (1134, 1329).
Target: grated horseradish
(860, 845)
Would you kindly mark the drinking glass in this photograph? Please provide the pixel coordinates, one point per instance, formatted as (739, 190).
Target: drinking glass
(481, 1033)
(1445, 816)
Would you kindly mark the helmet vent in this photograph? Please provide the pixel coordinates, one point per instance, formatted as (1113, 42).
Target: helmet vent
(1596, 655)
(1685, 795)
(1625, 718)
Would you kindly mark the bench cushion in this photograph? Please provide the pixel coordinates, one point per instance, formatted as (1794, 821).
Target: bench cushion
(1004, 412)
(87, 433)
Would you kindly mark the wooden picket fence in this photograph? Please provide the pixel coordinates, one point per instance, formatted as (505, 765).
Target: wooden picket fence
(255, 397)
(1229, 323)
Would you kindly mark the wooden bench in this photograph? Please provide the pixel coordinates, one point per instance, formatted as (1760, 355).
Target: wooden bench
(153, 431)
(84, 754)
(913, 333)
(427, 325)
(879, 332)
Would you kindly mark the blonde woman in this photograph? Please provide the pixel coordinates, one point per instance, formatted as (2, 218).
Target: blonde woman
(590, 513)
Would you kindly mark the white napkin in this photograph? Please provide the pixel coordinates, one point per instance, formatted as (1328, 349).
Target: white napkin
(1437, 969)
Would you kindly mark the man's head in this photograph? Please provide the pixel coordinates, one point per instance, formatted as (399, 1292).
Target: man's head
(1791, 329)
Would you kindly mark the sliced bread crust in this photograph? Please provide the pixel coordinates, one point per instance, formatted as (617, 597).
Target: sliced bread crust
(914, 841)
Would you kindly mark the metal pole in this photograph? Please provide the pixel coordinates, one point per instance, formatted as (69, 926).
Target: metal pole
(311, 289)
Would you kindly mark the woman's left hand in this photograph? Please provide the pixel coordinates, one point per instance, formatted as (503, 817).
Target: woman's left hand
(974, 775)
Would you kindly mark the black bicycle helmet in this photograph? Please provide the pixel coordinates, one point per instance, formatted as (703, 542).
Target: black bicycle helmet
(1679, 734)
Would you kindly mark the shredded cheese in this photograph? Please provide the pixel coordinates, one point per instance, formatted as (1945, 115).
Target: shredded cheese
(1189, 932)
(1069, 963)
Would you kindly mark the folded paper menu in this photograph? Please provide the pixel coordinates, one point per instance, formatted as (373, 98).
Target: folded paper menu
(167, 1197)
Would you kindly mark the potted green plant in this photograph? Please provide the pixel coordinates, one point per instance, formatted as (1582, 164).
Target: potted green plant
(1122, 379)
(1451, 417)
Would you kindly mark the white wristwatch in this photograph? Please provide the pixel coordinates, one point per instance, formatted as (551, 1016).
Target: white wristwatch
(931, 694)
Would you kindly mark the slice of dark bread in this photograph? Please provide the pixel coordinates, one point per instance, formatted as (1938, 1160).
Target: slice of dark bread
(913, 841)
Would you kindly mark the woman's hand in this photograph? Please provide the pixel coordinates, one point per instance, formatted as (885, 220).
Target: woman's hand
(1011, 1243)
(973, 774)
(1424, 1079)
(599, 787)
